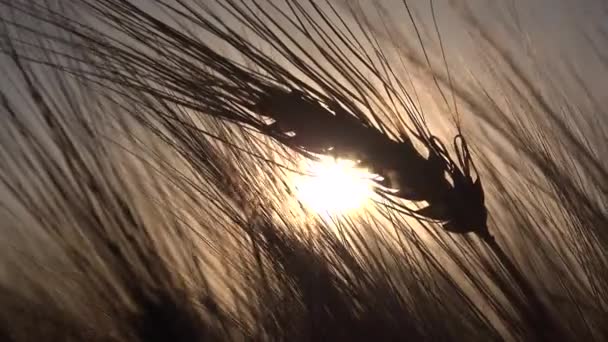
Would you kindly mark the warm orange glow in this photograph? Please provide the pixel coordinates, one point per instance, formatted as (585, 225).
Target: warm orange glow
(334, 186)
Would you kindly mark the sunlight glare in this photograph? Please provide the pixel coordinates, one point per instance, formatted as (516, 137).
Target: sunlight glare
(334, 186)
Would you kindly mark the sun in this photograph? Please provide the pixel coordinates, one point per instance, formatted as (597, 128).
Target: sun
(334, 186)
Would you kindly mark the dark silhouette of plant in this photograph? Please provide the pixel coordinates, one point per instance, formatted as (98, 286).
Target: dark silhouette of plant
(149, 190)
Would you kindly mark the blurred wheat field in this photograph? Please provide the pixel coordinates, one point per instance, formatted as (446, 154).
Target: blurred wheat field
(137, 205)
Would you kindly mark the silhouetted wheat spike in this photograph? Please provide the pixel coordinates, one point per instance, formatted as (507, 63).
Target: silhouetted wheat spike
(193, 74)
(304, 124)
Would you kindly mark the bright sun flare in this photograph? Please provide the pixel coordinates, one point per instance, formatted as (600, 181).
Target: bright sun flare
(334, 186)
